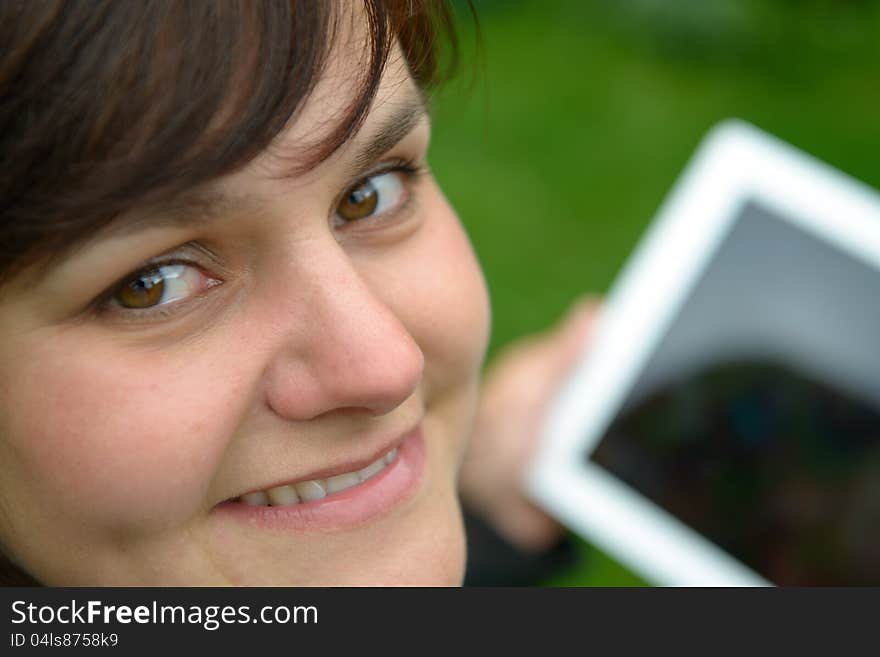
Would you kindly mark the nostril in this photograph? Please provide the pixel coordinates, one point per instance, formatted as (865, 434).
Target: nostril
(387, 383)
(364, 376)
(350, 349)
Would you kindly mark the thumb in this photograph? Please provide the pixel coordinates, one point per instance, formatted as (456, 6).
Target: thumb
(568, 338)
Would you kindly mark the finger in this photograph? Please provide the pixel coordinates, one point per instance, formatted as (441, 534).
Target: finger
(571, 334)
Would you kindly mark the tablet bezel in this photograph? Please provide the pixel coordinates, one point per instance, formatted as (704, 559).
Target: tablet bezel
(735, 164)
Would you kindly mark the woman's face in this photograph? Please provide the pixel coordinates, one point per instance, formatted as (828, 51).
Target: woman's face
(270, 333)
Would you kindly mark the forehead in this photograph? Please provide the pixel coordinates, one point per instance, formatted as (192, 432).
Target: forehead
(339, 87)
(396, 108)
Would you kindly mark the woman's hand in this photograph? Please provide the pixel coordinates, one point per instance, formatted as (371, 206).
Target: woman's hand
(517, 388)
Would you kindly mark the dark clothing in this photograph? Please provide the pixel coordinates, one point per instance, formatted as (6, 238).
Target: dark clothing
(492, 561)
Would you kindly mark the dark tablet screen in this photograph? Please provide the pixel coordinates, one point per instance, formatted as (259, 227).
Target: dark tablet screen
(756, 421)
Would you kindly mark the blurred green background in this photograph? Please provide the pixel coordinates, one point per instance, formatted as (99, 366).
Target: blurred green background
(571, 120)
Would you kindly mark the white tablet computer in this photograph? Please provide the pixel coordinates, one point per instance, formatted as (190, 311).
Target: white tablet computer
(723, 424)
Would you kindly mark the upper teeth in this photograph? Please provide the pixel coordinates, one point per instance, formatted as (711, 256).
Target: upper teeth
(315, 489)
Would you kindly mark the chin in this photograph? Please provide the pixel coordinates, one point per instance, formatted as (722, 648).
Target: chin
(431, 552)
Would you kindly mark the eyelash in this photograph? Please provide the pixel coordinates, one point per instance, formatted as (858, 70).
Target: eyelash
(411, 171)
(103, 305)
(407, 166)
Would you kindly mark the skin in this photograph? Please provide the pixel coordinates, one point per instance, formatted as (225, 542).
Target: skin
(516, 391)
(306, 343)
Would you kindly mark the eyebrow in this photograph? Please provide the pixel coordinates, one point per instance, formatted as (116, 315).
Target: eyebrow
(203, 206)
(391, 132)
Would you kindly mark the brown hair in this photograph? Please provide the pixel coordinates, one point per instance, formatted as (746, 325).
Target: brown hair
(106, 106)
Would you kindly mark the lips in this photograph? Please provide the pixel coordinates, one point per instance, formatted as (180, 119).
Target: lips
(316, 489)
(338, 500)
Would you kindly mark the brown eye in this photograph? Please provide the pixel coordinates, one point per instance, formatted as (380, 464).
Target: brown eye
(375, 195)
(358, 203)
(154, 287)
(141, 292)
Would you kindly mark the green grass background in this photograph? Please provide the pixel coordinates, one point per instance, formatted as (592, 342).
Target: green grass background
(572, 119)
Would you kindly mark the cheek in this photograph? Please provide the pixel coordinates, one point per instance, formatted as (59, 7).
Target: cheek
(455, 321)
(440, 293)
(436, 288)
(113, 437)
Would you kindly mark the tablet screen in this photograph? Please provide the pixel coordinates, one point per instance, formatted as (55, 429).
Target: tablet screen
(756, 420)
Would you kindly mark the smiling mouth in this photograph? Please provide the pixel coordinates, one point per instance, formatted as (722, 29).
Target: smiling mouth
(337, 500)
(316, 489)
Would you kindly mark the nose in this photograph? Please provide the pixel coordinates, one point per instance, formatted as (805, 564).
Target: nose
(347, 348)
